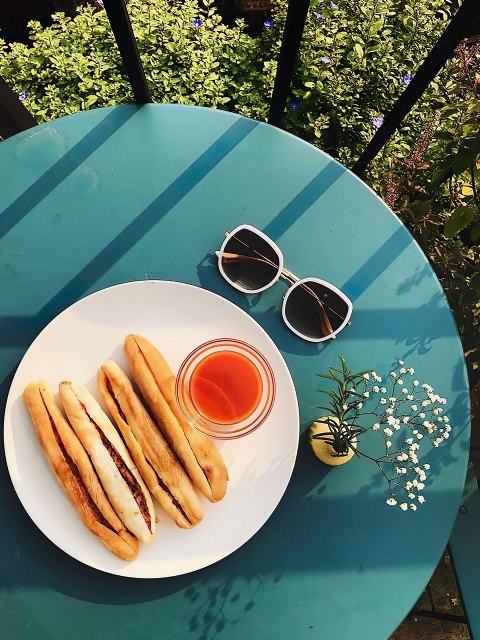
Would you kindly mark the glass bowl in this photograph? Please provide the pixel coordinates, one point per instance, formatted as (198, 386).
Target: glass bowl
(192, 388)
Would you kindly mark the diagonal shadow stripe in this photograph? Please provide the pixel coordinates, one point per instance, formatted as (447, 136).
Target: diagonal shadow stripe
(64, 166)
(408, 323)
(303, 200)
(378, 263)
(24, 328)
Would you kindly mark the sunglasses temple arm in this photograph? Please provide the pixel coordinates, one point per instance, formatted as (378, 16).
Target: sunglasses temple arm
(242, 258)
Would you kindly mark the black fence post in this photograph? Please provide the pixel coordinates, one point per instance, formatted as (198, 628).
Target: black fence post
(292, 35)
(123, 32)
(464, 24)
(14, 117)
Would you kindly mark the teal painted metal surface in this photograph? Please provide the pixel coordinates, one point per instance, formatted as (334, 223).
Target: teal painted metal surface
(128, 193)
(465, 551)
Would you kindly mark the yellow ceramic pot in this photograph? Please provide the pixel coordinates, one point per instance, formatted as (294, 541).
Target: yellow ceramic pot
(323, 449)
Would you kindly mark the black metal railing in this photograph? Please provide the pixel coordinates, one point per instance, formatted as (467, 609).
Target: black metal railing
(465, 23)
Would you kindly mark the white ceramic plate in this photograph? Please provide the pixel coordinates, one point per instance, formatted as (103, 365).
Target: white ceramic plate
(176, 318)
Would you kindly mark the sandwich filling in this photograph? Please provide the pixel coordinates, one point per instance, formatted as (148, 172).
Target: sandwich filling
(125, 472)
(76, 473)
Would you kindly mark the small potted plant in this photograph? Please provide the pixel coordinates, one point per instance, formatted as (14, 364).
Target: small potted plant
(400, 409)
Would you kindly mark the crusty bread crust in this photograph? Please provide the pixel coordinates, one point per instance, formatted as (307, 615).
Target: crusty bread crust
(198, 452)
(74, 471)
(102, 442)
(158, 465)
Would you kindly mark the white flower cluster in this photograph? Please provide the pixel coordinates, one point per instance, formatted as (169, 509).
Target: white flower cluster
(405, 407)
(393, 412)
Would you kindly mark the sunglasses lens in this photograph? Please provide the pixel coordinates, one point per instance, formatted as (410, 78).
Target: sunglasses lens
(304, 311)
(251, 263)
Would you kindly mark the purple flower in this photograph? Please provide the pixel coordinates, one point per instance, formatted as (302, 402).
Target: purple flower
(197, 23)
(407, 78)
(14, 55)
(318, 15)
(269, 24)
(333, 5)
(377, 121)
(23, 95)
(294, 105)
(325, 60)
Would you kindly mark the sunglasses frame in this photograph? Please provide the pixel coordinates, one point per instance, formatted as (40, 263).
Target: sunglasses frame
(270, 242)
(292, 280)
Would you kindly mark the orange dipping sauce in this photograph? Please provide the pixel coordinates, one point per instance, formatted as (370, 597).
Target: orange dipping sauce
(225, 387)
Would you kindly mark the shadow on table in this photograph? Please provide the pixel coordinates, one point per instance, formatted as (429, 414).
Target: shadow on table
(415, 328)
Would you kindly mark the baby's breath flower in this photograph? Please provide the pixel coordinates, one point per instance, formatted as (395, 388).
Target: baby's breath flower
(418, 412)
(401, 362)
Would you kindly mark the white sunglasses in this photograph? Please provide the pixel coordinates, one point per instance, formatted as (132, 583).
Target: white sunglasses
(312, 308)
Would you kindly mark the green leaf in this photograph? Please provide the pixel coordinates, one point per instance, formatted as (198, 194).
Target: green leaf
(475, 232)
(460, 218)
(358, 50)
(89, 100)
(475, 282)
(466, 155)
(442, 172)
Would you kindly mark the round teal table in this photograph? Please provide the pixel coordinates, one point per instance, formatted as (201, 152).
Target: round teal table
(129, 193)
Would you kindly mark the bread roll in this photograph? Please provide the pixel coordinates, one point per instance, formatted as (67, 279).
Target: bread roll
(75, 473)
(120, 478)
(158, 465)
(198, 452)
